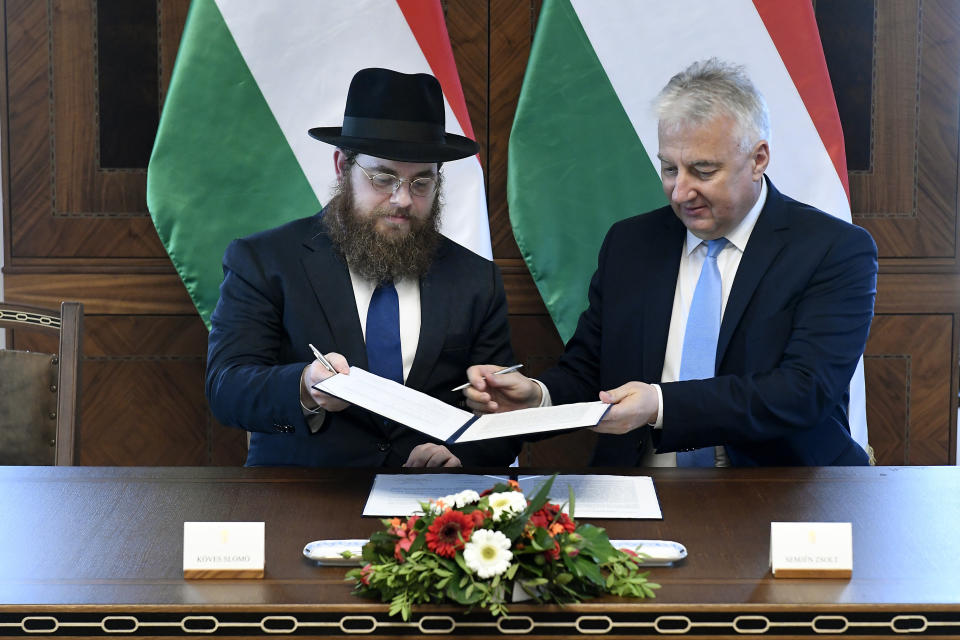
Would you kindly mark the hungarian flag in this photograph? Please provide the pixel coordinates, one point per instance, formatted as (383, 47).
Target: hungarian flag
(232, 155)
(584, 141)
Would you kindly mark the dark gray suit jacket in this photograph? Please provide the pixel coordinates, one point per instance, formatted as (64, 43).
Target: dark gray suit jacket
(286, 288)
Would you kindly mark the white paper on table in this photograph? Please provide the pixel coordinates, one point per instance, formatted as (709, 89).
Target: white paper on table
(601, 496)
(446, 423)
(400, 494)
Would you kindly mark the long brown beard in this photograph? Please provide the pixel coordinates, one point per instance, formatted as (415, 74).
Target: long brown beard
(376, 256)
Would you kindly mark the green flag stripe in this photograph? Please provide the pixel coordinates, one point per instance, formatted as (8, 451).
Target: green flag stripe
(576, 164)
(218, 148)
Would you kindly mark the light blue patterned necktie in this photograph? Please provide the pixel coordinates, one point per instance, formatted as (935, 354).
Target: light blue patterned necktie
(698, 360)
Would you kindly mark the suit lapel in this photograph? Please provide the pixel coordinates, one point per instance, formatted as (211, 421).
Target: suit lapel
(330, 280)
(434, 312)
(662, 267)
(766, 242)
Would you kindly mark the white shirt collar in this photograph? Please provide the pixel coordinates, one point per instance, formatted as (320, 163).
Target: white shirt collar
(740, 234)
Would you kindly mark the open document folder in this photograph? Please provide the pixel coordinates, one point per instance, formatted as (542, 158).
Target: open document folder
(447, 423)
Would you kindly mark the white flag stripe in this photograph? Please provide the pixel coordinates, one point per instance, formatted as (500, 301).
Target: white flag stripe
(302, 93)
(645, 46)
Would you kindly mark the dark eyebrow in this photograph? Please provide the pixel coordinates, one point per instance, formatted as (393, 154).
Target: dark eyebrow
(379, 168)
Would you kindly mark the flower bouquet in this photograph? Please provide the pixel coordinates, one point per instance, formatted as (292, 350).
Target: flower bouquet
(485, 549)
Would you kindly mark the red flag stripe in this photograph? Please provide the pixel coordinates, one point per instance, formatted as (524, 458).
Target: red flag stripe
(425, 19)
(793, 28)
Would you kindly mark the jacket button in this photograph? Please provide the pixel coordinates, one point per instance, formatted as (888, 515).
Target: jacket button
(383, 446)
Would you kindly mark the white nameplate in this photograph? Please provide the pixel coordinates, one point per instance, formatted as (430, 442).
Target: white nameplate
(223, 550)
(811, 549)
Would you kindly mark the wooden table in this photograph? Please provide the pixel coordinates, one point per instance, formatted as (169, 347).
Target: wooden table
(98, 551)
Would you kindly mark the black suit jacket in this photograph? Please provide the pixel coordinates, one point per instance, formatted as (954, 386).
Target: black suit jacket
(286, 288)
(795, 325)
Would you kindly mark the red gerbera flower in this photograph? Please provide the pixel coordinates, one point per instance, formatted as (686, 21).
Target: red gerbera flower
(552, 519)
(449, 532)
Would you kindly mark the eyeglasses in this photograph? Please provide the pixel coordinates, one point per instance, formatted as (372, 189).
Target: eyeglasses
(389, 183)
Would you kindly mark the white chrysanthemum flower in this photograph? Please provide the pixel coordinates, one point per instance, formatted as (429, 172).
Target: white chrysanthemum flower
(506, 503)
(465, 497)
(488, 553)
(457, 500)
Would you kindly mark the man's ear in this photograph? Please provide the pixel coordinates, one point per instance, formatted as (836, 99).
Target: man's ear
(761, 159)
(339, 158)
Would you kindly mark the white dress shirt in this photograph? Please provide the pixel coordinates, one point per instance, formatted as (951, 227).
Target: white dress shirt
(408, 294)
(694, 253)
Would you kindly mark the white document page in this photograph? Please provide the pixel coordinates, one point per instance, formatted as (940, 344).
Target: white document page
(401, 494)
(537, 419)
(397, 402)
(440, 420)
(601, 496)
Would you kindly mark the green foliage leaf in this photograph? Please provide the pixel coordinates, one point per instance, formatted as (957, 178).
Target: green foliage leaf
(418, 544)
(596, 543)
(461, 595)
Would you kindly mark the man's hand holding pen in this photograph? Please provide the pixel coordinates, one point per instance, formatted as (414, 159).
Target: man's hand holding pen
(492, 393)
(321, 369)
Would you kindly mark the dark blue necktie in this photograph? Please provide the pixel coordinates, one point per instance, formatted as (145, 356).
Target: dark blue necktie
(384, 357)
(698, 360)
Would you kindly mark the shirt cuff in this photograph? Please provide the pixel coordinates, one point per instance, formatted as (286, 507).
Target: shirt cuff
(315, 419)
(659, 422)
(545, 400)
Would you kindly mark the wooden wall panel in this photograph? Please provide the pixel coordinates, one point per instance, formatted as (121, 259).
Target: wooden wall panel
(908, 199)
(61, 203)
(917, 320)
(907, 393)
(511, 32)
(112, 293)
(123, 424)
(468, 24)
(76, 230)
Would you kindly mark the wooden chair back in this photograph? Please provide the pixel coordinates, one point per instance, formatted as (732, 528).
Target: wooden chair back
(40, 392)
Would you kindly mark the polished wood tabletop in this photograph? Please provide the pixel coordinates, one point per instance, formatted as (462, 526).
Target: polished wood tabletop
(108, 543)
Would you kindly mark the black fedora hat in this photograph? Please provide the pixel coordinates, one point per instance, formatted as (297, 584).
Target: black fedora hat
(397, 116)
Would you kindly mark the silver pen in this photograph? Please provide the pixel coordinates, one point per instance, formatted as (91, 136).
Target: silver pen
(496, 373)
(323, 361)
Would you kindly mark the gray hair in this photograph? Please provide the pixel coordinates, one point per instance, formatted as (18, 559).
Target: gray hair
(709, 88)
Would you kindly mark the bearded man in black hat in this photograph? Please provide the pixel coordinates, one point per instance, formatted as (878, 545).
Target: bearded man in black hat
(371, 282)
